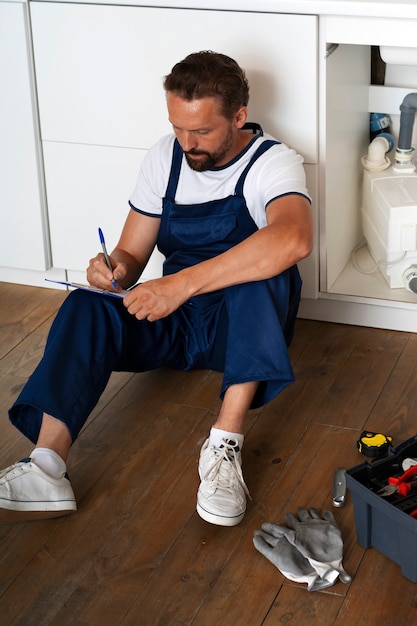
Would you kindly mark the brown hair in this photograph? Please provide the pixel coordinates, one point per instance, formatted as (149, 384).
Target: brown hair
(210, 74)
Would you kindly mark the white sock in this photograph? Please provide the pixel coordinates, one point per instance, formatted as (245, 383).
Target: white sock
(49, 461)
(217, 435)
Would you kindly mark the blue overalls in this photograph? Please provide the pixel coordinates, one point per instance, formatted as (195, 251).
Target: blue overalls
(241, 330)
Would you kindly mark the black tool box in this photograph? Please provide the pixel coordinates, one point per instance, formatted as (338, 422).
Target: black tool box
(386, 523)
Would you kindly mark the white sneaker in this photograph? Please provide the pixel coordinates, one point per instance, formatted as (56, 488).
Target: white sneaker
(27, 492)
(221, 496)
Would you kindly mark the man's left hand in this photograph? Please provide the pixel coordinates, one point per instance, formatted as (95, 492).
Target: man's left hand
(155, 299)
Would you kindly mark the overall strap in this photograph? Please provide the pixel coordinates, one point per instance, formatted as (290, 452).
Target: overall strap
(175, 171)
(265, 145)
(254, 127)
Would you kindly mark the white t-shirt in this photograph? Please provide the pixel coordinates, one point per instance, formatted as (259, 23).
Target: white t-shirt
(278, 172)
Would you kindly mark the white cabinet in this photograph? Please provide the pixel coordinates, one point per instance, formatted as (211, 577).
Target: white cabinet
(100, 69)
(23, 232)
(351, 288)
(99, 75)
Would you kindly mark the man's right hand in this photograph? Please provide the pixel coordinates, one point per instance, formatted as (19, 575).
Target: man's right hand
(99, 275)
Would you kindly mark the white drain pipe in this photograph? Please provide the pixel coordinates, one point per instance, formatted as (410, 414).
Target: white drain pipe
(376, 159)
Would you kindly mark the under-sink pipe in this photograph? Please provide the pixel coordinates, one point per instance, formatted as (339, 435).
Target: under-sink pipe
(376, 159)
(408, 108)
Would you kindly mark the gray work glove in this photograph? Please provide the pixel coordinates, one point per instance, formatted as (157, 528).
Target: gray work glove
(272, 543)
(320, 541)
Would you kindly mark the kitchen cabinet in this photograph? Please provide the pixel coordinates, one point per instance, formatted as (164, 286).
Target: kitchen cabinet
(100, 69)
(24, 239)
(99, 77)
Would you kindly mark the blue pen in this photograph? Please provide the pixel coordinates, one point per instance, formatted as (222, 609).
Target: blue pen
(106, 256)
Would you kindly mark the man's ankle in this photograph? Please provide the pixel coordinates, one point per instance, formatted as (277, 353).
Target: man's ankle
(49, 461)
(217, 435)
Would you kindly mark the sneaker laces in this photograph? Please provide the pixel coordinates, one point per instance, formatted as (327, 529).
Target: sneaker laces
(226, 466)
(14, 469)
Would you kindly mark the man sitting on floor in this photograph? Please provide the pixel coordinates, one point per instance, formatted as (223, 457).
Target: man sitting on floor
(228, 208)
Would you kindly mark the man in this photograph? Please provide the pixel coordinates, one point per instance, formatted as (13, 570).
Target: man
(229, 210)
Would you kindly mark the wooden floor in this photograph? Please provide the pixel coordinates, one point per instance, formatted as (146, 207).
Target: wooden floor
(137, 553)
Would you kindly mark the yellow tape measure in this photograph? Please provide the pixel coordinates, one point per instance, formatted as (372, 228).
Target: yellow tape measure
(374, 445)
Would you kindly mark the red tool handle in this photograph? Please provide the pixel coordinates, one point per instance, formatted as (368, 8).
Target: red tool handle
(397, 480)
(405, 488)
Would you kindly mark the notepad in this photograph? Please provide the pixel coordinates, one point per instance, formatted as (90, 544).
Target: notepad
(103, 292)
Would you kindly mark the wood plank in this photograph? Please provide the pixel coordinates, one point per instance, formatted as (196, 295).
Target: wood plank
(297, 606)
(22, 309)
(357, 388)
(396, 409)
(379, 595)
(28, 352)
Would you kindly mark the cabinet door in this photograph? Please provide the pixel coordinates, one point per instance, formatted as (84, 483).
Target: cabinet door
(100, 69)
(23, 240)
(87, 187)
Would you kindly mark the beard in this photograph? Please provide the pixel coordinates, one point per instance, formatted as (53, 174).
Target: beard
(208, 160)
